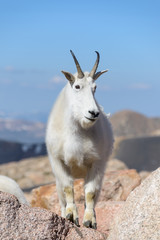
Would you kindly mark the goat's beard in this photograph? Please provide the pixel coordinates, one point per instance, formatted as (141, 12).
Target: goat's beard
(86, 123)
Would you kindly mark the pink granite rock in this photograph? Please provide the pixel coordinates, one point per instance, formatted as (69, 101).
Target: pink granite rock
(117, 185)
(46, 197)
(140, 216)
(20, 222)
(85, 234)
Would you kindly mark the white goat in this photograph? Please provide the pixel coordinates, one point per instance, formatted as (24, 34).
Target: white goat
(79, 141)
(10, 186)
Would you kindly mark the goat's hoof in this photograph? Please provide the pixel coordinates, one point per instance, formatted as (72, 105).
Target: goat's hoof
(89, 219)
(94, 226)
(76, 222)
(70, 217)
(88, 224)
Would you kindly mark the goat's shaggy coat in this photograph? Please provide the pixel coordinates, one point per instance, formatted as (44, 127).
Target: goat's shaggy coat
(79, 141)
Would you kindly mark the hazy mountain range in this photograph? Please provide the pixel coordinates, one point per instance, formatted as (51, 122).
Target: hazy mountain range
(23, 139)
(21, 131)
(124, 123)
(132, 124)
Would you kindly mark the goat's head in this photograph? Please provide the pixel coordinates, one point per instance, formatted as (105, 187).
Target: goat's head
(82, 89)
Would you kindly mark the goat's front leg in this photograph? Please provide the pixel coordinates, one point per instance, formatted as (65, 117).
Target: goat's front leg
(66, 199)
(64, 185)
(71, 209)
(93, 184)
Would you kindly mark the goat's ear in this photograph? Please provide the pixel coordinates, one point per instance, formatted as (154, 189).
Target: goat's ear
(98, 74)
(69, 76)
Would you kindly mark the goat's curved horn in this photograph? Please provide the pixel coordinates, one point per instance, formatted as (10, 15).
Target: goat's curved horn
(98, 74)
(79, 70)
(94, 69)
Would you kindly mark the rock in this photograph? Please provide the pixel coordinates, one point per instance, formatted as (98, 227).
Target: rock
(117, 185)
(144, 174)
(105, 214)
(18, 221)
(140, 216)
(156, 132)
(85, 234)
(46, 197)
(115, 164)
(29, 172)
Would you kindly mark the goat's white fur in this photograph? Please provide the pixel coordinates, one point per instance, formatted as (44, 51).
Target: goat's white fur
(10, 186)
(78, 147)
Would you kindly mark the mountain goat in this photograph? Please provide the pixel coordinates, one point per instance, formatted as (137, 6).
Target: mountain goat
(79, 141)
(10, 186)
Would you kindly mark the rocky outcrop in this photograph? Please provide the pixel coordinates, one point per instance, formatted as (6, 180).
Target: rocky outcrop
(30, 172)
(126, 210)
(46, 197)
(115, 164)
(84, 234)
(140, 216)
(18, 221)
(116, 187)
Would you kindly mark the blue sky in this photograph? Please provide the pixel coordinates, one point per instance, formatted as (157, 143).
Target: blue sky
(35, 39)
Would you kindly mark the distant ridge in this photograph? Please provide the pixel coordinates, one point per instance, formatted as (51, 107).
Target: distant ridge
(12, 151)
(22, 139)
(21, 131)
(125, 123)
(133, 124)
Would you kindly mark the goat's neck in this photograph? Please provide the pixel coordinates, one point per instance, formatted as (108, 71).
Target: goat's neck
(70, 121)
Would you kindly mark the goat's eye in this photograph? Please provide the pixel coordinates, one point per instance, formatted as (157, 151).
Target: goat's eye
(77, 87)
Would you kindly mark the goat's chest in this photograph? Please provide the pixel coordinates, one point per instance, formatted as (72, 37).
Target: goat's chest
(79, 150)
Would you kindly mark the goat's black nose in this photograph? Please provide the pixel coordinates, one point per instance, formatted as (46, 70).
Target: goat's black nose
(94, 114)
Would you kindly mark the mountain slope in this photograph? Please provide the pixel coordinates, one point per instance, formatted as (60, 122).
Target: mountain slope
(133, 124)
(12, 151)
